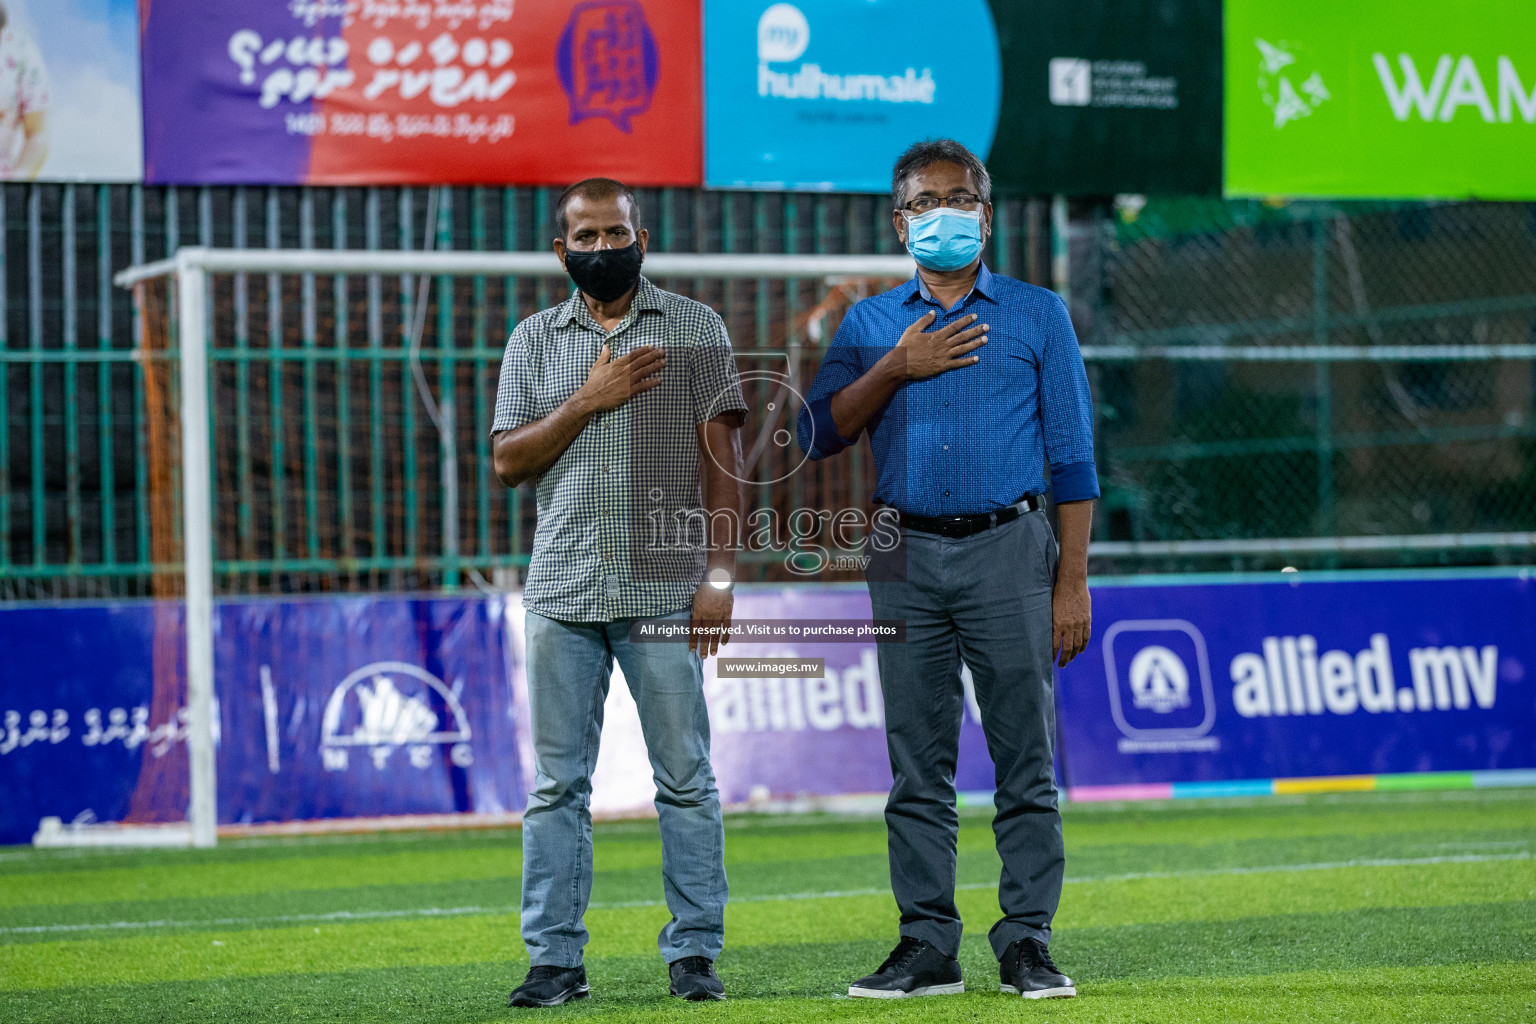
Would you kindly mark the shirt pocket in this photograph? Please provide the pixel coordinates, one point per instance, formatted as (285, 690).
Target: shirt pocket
(561, 369)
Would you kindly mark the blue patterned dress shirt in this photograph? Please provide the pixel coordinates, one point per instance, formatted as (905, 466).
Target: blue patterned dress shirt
(977, 438)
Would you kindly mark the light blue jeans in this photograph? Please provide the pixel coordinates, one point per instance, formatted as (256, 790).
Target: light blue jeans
(569, 664)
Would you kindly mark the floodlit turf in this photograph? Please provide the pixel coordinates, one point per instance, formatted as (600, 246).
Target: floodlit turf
(1383, 907)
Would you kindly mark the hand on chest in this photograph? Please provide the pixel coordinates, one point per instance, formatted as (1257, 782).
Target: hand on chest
(570, 355)
(1009, 360)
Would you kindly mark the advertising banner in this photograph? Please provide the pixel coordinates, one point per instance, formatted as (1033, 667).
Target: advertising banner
(786, 738)
(1411, 99)
(1108, 96)
(337, 707)
(345, 707)
(825, 94)
(69, 91)
(375, 92)
(76, 695)
(1234, 681)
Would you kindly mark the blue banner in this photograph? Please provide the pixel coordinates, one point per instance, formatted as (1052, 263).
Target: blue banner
(362, 706)
(1294, 678)
(341, 707)
(76, 732)
(825, 94)
(335, 707)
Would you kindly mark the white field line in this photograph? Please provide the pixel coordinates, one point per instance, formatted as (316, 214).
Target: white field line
(621, 826)
(349, 916)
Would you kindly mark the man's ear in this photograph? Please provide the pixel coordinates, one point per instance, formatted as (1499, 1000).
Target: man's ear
(899, 222)
(559, 247)
(988, 228)
(645, 240)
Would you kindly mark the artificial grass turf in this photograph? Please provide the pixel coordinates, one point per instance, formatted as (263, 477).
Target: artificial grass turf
(1410, 906)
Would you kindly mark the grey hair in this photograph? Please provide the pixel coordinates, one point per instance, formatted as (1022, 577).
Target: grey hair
(922, 155)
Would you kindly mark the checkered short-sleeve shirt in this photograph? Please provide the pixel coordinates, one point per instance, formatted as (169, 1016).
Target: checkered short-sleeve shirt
(615, 539)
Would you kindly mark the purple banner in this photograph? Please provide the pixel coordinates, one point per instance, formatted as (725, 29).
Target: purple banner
(781, 738)
(334, 707)
(357, 92)
(345, 707)
(1294, 677)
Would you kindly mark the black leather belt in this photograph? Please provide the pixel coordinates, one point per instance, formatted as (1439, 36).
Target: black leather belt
(965, 526)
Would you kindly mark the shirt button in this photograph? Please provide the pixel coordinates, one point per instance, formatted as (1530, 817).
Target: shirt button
(946, 405)
(946, 494)
(946, 447)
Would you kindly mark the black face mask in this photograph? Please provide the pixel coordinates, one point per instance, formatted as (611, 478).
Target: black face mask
(605, 274)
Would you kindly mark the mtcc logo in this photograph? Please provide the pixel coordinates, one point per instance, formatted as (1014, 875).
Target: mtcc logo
(391, 704)
(1159, 680)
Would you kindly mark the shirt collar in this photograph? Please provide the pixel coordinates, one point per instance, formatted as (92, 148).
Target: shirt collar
(982, 287)
(647, 298)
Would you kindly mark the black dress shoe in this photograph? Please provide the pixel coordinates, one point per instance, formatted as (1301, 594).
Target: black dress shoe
(1028, 971)
(914, 968)
(694, 978)
(551, 986)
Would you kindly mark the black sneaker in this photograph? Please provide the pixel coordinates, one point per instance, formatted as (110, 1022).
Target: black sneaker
(550, 986)
(1028, 971)
(694, 978)
(914, 968)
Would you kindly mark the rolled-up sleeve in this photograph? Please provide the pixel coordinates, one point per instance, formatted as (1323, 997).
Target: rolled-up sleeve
(1066, 411)
(841, 366)
(514, 389)
(713, 382)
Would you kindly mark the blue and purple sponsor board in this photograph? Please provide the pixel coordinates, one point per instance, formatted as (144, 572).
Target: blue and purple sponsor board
(375, 706)
(336, 707)
(1292, 677)
(337, 92)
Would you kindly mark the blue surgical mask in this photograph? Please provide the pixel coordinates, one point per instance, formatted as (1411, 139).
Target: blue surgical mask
(944, 239)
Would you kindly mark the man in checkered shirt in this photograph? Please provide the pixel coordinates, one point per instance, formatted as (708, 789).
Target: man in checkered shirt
(623, 403)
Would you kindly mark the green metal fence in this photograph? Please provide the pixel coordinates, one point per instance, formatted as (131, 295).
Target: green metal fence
(1315, 371)
(1260, 372)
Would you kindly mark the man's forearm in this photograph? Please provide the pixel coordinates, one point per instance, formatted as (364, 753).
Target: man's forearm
(528, 451)
(1076, 521)
(720, 459)
(855, 405)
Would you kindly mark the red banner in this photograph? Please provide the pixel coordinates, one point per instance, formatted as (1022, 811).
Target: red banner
(424, 91)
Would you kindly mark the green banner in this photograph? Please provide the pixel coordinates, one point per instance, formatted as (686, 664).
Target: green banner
(1416, 98)
(1105, 96)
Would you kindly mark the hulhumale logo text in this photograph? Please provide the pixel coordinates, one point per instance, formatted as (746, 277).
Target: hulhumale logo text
(782, 36)
(1291, 677)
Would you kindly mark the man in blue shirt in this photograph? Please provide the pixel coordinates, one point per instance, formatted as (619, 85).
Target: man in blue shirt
(968, 384)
